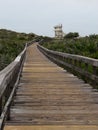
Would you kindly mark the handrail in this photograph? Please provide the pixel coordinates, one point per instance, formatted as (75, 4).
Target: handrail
(84, 67)
(9, 78)
(6, 73)
(6, 111)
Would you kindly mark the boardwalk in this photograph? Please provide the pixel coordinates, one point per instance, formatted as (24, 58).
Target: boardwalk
(49, 95)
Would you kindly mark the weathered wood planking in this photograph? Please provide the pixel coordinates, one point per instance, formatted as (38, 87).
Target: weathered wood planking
(49, 95)
(72, 127)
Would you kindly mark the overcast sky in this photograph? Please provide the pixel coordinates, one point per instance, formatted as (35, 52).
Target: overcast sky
(40, 16)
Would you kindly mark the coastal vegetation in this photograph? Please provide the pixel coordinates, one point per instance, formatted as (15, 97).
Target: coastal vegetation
(11, 44)
(73, 44)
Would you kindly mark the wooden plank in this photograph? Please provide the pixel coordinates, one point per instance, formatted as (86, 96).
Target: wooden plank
(67, 127)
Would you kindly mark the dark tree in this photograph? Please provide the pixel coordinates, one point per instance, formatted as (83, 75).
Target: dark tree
(72, 35)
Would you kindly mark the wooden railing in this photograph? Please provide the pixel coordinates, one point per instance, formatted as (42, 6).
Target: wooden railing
(9, 79)
(84, 67)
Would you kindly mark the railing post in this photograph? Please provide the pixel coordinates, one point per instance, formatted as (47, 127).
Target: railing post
(80, 64)
(67, 60)
(8, 114)
(75, 62)
(86, 69)
(0, 106)
(86, 66)
(7, 94)
(95, 70)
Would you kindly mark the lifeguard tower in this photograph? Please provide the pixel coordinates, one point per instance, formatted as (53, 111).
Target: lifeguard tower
(58, 31)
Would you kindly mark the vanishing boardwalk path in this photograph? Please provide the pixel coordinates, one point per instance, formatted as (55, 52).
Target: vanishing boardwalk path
(48, 95)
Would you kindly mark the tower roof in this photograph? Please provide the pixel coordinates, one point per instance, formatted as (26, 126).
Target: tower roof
(58, 26)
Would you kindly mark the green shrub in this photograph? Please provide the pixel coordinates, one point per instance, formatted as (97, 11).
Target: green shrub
(11, 44)
(86, 46)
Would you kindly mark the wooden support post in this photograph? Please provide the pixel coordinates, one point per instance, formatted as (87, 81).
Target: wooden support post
(75, 62)
(67, 60)
(86, 69)
(86, 66)
(8, 114)
(95, 83)
(79, 64)
(0, 106)
(70, 61)
(6, 95)
(95, 70)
